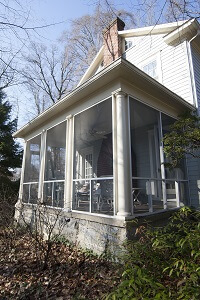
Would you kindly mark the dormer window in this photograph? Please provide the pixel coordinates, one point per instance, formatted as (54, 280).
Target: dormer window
(128, 44)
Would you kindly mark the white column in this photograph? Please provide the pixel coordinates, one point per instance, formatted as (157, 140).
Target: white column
(22, 175)
(69, 164)
(42, 164)
(114, 140)
(123, 153)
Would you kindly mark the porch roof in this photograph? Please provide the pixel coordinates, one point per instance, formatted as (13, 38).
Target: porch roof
(120, 69)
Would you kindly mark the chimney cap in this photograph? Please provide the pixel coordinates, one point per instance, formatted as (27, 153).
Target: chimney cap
(120, 25)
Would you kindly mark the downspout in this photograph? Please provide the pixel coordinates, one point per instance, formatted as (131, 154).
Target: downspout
(191, 69)
(193, 85)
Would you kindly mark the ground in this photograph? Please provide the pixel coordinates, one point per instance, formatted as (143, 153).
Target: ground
(71, 272)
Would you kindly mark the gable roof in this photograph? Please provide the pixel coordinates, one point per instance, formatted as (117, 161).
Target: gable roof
(172, 30)
(119, 69)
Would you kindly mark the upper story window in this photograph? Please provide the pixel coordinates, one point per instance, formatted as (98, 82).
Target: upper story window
(151, 69)
(128, 44)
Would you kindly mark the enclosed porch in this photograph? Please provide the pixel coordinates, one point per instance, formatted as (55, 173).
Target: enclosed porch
(106, 159)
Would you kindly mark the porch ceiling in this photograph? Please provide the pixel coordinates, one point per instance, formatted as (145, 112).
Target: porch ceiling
(118, 70)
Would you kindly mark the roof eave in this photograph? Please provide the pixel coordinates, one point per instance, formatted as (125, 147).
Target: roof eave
(93, 66)
(156, 29)
(187, 29)
(111, 72)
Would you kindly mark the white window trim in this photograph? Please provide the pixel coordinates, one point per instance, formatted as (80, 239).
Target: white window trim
(131, 39)
(155, 57)
(25, 155)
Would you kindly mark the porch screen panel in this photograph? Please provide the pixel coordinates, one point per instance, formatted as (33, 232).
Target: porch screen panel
(32, 169)
(178, 173)
(93, 158)
(53, 192)
(145, 152)
(55, 153)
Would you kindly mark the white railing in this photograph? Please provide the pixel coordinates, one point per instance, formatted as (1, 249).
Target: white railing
(30, 192)
(53, 193)
(93, 195)
(153, 194)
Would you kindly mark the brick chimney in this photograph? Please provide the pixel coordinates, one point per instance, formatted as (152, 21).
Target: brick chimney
(112, 41)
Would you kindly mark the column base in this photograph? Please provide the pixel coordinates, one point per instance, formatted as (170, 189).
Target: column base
(124, 214)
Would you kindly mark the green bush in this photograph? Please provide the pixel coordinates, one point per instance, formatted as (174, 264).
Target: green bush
(164, 263)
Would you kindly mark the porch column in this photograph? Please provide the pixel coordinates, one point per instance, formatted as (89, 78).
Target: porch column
(18, 205)
(22, 175)
(123, 155)
(69, 164)
(42, 165)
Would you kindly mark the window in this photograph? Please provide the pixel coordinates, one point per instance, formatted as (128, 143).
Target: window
(151, 69)
(128, 44)
(32, 170)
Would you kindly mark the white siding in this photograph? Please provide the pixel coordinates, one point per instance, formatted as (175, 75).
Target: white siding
(144, 48)
(196, 68)
(175, 70)
(172, 62)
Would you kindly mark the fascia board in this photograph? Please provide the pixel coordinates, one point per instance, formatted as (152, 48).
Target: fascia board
(121, 69)
(188, 28)
(157, 29)
(93, 66)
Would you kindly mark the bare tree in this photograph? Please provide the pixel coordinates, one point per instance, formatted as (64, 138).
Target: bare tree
(182, 9)
(152, 12)
(48, 75)
(16, 30)
(84, 38)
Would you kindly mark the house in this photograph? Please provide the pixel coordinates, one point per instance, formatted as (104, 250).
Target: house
(97, 154)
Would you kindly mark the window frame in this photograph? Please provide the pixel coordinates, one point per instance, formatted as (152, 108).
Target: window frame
(54, 181)
(148, 61)
(30, 183)
(128, 40)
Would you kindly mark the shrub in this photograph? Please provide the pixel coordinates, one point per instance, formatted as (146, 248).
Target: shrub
(165, 262)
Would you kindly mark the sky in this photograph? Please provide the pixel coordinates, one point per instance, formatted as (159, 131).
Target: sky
(47, 12)
(42, 13)
(55, 11)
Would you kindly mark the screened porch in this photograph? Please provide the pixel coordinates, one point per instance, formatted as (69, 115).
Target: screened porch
(76, 164)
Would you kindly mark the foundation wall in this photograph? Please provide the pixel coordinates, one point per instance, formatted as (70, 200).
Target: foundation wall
(102, 235)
